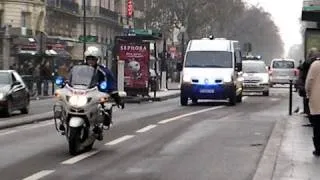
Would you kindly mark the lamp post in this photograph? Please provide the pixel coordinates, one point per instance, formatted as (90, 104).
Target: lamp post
(182, 30)
(84, 27)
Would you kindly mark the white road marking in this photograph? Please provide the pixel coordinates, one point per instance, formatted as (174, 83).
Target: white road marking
(119, 140)
(188, 114)
(79, 157)
(147, 128)
(274, 99)
(39, 175)
(8, 132)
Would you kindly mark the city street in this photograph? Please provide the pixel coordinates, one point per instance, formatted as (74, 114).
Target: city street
(159, 140)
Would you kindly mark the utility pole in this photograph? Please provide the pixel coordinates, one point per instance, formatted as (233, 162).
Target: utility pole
(84, 27)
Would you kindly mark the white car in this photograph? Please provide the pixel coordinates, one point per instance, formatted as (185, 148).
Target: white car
(256, 77)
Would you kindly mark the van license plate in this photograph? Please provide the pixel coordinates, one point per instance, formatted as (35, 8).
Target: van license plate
(206, 90)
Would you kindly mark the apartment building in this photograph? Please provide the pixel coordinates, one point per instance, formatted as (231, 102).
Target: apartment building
(21, 22)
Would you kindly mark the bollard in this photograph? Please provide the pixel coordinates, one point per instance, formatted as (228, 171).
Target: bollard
(290, 98)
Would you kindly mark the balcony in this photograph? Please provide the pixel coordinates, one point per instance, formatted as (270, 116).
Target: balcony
(64, 6)
(106, 14)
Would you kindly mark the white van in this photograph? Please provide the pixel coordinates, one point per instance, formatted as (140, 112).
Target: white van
(211, 70)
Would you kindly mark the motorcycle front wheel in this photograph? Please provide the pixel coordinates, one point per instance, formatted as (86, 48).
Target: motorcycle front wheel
(75, 140)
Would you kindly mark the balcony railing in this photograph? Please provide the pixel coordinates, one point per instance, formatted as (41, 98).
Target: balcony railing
(68, 6)
(102, 12)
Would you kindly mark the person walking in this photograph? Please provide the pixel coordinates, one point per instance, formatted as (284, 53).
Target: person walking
(312, 88)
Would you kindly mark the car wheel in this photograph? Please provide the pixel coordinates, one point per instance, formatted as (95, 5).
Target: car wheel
(266, 93)
(8, 110)
(25, 110)
(194, 101)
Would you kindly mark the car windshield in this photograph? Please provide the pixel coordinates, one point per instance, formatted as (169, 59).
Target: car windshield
(220, 59)
(249, 67)
(82, 75)
(283, 64)
(4, 78)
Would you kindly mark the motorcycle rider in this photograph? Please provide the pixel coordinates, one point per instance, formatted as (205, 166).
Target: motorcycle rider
(92, 58)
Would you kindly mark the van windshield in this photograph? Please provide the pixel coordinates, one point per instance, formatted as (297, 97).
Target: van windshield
(251, 67)
(283, 64)
(220, 59)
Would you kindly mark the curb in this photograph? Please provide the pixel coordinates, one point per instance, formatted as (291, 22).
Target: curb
(26, 120)
(140, 100)
(267, 163)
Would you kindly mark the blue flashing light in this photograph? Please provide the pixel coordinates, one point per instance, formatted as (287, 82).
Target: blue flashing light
(103, 85)
(59, 81)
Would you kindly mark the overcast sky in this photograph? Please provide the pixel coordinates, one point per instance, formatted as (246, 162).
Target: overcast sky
(286, 14)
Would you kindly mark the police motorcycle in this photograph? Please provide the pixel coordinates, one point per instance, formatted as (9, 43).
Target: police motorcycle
(81, 108)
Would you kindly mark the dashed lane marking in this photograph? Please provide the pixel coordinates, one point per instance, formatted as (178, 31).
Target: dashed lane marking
(119, 140)
(79, 157)
(147, 128)
(39, 175)
(8, 132)
(188, 114)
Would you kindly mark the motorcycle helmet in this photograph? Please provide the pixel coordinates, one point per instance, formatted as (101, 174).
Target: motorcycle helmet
(92, 51)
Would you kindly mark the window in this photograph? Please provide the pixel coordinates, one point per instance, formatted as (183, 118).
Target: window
(25, 19)
(209, 59)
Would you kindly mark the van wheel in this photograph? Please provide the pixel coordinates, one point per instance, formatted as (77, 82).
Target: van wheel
(183, 100)
(265, 93)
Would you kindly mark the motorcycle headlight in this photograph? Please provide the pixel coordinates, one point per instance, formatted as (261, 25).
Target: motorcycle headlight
(2, 96)
(78, 101)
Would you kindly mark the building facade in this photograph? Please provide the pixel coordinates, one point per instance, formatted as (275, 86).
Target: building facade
(21, 22)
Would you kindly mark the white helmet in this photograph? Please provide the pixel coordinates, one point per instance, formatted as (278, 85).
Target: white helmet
(93, 51)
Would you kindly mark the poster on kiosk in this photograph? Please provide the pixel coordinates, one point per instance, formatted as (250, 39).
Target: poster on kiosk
(136, 69)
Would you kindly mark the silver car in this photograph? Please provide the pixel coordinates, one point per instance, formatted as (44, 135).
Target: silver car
(256, 77)
(282, 71)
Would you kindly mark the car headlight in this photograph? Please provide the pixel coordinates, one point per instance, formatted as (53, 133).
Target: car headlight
(78, 101)
(2, 96)
(265, 80)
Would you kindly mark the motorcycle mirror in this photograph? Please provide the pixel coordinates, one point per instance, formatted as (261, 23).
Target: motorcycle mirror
(59, 81)
(103, 85)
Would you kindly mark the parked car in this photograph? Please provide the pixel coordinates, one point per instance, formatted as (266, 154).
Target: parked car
(282, 70)
(14, 94)
(256, 77)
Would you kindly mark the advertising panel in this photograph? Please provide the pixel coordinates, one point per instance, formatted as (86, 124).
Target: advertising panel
(312, 40)
(136, 70)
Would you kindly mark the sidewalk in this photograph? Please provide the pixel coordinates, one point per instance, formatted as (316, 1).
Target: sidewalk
(288, 154)
(295, 159)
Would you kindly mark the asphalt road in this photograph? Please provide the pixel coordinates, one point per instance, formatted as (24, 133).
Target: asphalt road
(153, 141)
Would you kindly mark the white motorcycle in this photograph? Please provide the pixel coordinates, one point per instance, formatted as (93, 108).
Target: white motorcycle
(81, 108)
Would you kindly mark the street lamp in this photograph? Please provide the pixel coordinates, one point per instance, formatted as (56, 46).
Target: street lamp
(182, 30)
(84, 27)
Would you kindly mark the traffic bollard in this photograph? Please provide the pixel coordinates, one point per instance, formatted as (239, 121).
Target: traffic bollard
(290, 98)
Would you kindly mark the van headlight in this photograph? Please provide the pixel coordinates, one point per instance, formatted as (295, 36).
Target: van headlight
(78, 101)
(227, 79)
(186, 79)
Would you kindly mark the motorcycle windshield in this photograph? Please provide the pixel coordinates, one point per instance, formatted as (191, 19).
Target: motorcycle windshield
(82, 76)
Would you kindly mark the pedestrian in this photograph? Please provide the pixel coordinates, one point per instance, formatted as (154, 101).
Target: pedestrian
(303, 71)
(312, 88)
